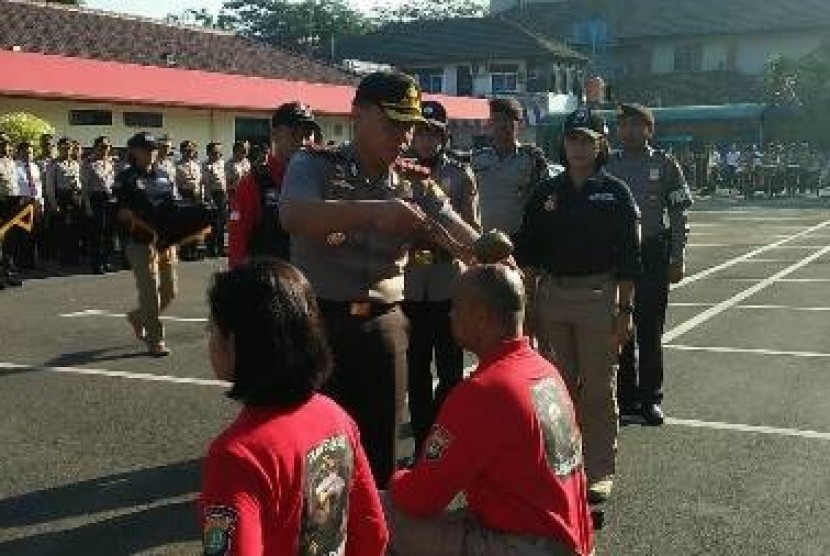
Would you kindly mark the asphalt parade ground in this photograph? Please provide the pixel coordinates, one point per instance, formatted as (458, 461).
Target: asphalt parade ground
(100, 446)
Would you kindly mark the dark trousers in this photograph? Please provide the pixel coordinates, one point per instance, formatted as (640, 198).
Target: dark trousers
(68, 227)
(430, 334)
(190, 252)
(101, 229)
(216, 239)
(369, 379)
(640, 378)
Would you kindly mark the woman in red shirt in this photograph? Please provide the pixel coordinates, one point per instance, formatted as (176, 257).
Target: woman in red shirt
(289, 476)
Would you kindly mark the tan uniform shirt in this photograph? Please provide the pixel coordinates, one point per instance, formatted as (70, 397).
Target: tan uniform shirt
(8, 178)
(213, 177)
(97, 176)
(504, 184)
(189, 178)
(62, 176)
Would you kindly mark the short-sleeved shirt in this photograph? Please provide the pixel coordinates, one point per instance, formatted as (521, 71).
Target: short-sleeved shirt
(213, 176)
(29, 181)
(657, 183)
(433, 280)
(168, 166)
(97, 176)
(507, 438)
(291, 482)
(189, 177)
(65, 176)
(8, 177)
(581, 232)
(235, 170)
(505, 183)
(366, 264)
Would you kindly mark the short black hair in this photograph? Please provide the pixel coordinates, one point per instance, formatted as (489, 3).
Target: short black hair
(239, 145)
(100, 140)
(282, 355)
(212, 145)
(602, 157)
(510, 107)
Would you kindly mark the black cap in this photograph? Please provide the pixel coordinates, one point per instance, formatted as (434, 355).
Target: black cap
(144, 140)
(434, 113)
(584, 121)
(292, 114)
(510, 107)
(397, 95)
(637, 111)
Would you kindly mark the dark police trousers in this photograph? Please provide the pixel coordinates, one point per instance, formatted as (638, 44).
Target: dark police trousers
(640, 378)
(216, 239)
(68, 226)
(369, 377)
(101, 229)
(430, 333)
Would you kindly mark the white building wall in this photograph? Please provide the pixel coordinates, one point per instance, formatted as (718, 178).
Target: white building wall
(753, 51)
(201, 126)
(715, 55)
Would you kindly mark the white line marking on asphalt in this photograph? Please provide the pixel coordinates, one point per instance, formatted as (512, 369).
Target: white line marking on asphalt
(712, 312)
(741, 258)
(116, 374)
(748, 428)
(690, 304)
(748, 351)
(784, 280)
(108, 314)
(783, 308)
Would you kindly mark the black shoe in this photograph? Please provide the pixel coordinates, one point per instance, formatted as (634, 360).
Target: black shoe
(653, 414)
(99, 269)
(13, 281)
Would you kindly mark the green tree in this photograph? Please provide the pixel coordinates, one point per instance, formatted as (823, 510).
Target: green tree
(200, 17)
(430, 9)
(22, 126)
(307, 26)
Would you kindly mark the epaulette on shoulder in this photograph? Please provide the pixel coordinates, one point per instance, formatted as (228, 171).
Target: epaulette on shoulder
(412, 168)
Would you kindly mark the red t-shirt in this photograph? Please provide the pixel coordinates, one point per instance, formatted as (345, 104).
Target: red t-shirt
(246, 212)
(506, 437)
(291, 482)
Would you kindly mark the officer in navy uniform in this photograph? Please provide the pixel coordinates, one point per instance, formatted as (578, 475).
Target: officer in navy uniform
(657, 183)
(430, 277)
(353, 213)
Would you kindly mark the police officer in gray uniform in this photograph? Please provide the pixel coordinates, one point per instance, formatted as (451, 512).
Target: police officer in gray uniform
(660, 189)
(507, 170)
(8, 200)
(62, 189)
(430, 277)
(353, 213)
(97, 178)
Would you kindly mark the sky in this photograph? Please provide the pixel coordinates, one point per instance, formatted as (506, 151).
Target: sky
(160, 8)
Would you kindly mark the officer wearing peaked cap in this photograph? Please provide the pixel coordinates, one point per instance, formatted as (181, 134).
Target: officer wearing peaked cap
(353, 213)
(657, 182)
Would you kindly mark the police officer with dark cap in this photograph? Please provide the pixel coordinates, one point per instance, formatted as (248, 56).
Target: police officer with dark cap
(580, 237)
(661, 191)
(254, 228)
(431, 275)
(9, 201)
(353, 213)
(140, 187)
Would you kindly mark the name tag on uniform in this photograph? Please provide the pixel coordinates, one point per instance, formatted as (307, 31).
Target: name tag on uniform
(602, 197)
(654, 174)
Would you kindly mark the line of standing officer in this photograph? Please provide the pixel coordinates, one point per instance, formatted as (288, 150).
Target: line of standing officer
(62, 191)
(580, 237)
(215, 188)
(657, 182)
(352, 213)
(97, 178)
(430, 277)
(8, 202)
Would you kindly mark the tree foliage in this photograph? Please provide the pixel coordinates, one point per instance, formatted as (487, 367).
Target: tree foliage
(23, 126)
(428, 10)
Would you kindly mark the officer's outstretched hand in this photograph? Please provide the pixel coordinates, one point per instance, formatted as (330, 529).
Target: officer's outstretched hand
(400, 218)
(677, 271)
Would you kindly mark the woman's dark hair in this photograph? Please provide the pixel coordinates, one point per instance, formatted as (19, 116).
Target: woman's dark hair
(282, 355)
(602, 157)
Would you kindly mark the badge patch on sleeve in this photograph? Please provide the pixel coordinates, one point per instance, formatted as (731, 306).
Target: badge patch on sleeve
(437, 443)
(217, 534)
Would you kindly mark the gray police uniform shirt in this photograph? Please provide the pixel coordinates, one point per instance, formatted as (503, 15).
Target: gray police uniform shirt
(366, 264)
(62, 176)
(213, 176)
(505, 183)
(189, 177)
(8, 178)
(660, 189)
(434, 281)
(97, 176)
(235, 170)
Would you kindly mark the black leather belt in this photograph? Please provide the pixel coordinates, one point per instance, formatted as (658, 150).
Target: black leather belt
(361, 309)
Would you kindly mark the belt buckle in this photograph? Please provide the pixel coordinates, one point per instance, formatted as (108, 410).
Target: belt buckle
(360, 308)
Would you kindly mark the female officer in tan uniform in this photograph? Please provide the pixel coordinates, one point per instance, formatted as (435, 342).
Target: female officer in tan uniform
(580, 237)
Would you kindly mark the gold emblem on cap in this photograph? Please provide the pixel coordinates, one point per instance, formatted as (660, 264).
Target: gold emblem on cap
(336, 239)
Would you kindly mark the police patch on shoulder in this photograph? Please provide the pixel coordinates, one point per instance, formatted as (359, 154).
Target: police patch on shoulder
(437, 442)
(217, 532)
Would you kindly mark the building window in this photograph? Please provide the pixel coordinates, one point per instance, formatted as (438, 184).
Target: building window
(504, 78)
(144, 119)
(256, 131)
(688, 57)
(90, 117)
(431, 80)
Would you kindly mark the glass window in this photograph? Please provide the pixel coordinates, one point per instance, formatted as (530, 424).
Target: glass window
(504, 82)
(688, 57)
(144, 119)
(90, 117)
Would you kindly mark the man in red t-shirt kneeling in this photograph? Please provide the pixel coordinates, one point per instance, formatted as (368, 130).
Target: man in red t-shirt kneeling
(506, 438)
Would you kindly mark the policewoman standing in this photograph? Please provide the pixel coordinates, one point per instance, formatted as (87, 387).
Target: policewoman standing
(140, 187)
(580, 237)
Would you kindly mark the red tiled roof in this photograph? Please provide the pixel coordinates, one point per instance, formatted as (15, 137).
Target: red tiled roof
(27, 74)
